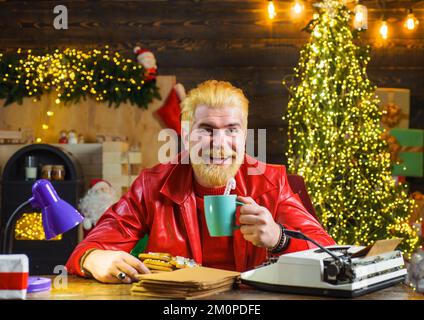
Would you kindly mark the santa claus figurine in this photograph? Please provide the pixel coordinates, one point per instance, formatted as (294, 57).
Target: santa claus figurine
(97, 200)
(148, 61)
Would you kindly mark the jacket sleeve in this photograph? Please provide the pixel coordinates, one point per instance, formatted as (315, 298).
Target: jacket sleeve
(292, 215)
(119, 228)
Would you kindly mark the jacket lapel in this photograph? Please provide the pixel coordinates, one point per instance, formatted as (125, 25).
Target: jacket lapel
(251, 181)
(239, 243)
(191, 222)
(179, 188)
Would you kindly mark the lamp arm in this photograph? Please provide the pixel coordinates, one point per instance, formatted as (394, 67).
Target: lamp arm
(9, 224)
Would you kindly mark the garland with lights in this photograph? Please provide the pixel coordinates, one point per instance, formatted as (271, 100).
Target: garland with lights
(360, 20)
(74, 74)
(335, 138)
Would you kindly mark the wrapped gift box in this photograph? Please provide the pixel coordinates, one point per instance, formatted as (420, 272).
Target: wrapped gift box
(13, 276)
(395, 101)
(411, 154)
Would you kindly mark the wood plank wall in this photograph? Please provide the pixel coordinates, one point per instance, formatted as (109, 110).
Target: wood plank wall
(229, 40)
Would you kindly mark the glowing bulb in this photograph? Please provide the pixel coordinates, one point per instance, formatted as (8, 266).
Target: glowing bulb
(271, 10)
(361, 17)
(384, 30)
(38, 140)
(45, 126)
(411, 21)
(50, 113)
(297, 8)
(57, 101)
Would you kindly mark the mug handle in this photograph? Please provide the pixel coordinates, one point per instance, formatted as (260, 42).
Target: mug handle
(238, 203)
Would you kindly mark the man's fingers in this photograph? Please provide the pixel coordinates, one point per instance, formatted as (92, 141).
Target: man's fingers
(129, 271)
(250, 209)
(136, 263)
(111, 277)
(247, 230)
(246, 200)
(248, 219)
(252, 238)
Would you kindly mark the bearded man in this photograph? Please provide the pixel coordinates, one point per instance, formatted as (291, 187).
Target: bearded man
(166, 201)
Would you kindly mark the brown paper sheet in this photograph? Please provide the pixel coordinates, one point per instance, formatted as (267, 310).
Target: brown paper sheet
(185, 283)
(379, 247)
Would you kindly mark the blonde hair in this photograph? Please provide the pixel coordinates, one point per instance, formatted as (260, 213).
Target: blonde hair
(214, 94)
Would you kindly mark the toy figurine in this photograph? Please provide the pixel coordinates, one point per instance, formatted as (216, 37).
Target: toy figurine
(72, 137)
(63, 137)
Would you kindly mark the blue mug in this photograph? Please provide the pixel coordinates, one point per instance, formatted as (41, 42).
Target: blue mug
(220, 213)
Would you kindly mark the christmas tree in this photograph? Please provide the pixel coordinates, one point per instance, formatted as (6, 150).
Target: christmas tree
(335, 138)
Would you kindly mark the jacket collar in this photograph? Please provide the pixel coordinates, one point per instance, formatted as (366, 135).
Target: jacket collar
(179, 183)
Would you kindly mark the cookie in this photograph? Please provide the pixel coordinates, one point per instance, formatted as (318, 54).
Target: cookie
(157, 262)
(157, 256)
(156, 267)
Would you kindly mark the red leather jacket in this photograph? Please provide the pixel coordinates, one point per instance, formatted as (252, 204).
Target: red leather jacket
(161, 203)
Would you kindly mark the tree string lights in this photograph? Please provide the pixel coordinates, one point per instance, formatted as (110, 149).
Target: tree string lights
(74, 74)
(335, 138)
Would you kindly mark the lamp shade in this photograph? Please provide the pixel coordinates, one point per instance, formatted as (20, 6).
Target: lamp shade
(58, 215)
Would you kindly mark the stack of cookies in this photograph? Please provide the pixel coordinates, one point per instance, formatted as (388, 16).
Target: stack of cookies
(159, 262)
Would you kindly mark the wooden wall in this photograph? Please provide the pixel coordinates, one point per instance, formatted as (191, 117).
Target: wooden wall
(229, 40)
(139, 127)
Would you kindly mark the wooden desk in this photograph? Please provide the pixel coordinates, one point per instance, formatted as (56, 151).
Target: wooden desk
(85, 289)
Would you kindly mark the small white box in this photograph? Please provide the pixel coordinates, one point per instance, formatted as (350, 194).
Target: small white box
(113, 157)
(115, 146)
(13, 276)
(134, 157)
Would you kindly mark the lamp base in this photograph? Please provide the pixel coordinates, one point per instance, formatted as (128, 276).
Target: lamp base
(38, 284)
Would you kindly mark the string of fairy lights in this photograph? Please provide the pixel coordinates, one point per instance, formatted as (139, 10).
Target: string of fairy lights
(70, 75)
(335, 138)
(360, 17)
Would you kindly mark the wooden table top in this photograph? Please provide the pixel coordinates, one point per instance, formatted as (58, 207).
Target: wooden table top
(88, 289)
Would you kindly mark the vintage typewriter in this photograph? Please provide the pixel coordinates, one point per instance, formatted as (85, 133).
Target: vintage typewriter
(338, 271)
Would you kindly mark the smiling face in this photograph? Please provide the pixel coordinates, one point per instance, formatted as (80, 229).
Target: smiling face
(214, 129)
(147, 60)
(216, 144)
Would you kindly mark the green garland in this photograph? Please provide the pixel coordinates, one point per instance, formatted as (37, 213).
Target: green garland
(74, 74)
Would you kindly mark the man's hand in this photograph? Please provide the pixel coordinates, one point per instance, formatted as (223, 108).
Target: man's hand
(257, 224)
(105, 265)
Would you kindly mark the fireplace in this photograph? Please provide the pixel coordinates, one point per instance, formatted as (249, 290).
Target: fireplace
(17, 181)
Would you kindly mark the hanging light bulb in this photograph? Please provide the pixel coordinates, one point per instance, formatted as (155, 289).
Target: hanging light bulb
(44, 126)
(271, 10)
(297, 7)
(360, 21)
(411, 21)
(38, 140)
(50, 113)
(384, 29)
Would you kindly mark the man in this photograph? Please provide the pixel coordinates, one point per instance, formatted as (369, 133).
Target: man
(166, 201)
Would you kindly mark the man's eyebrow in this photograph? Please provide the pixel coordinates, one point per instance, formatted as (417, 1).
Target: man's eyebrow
(234, 124)
(208, 125)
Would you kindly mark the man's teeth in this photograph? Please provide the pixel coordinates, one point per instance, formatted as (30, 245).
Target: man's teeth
(219, 160)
